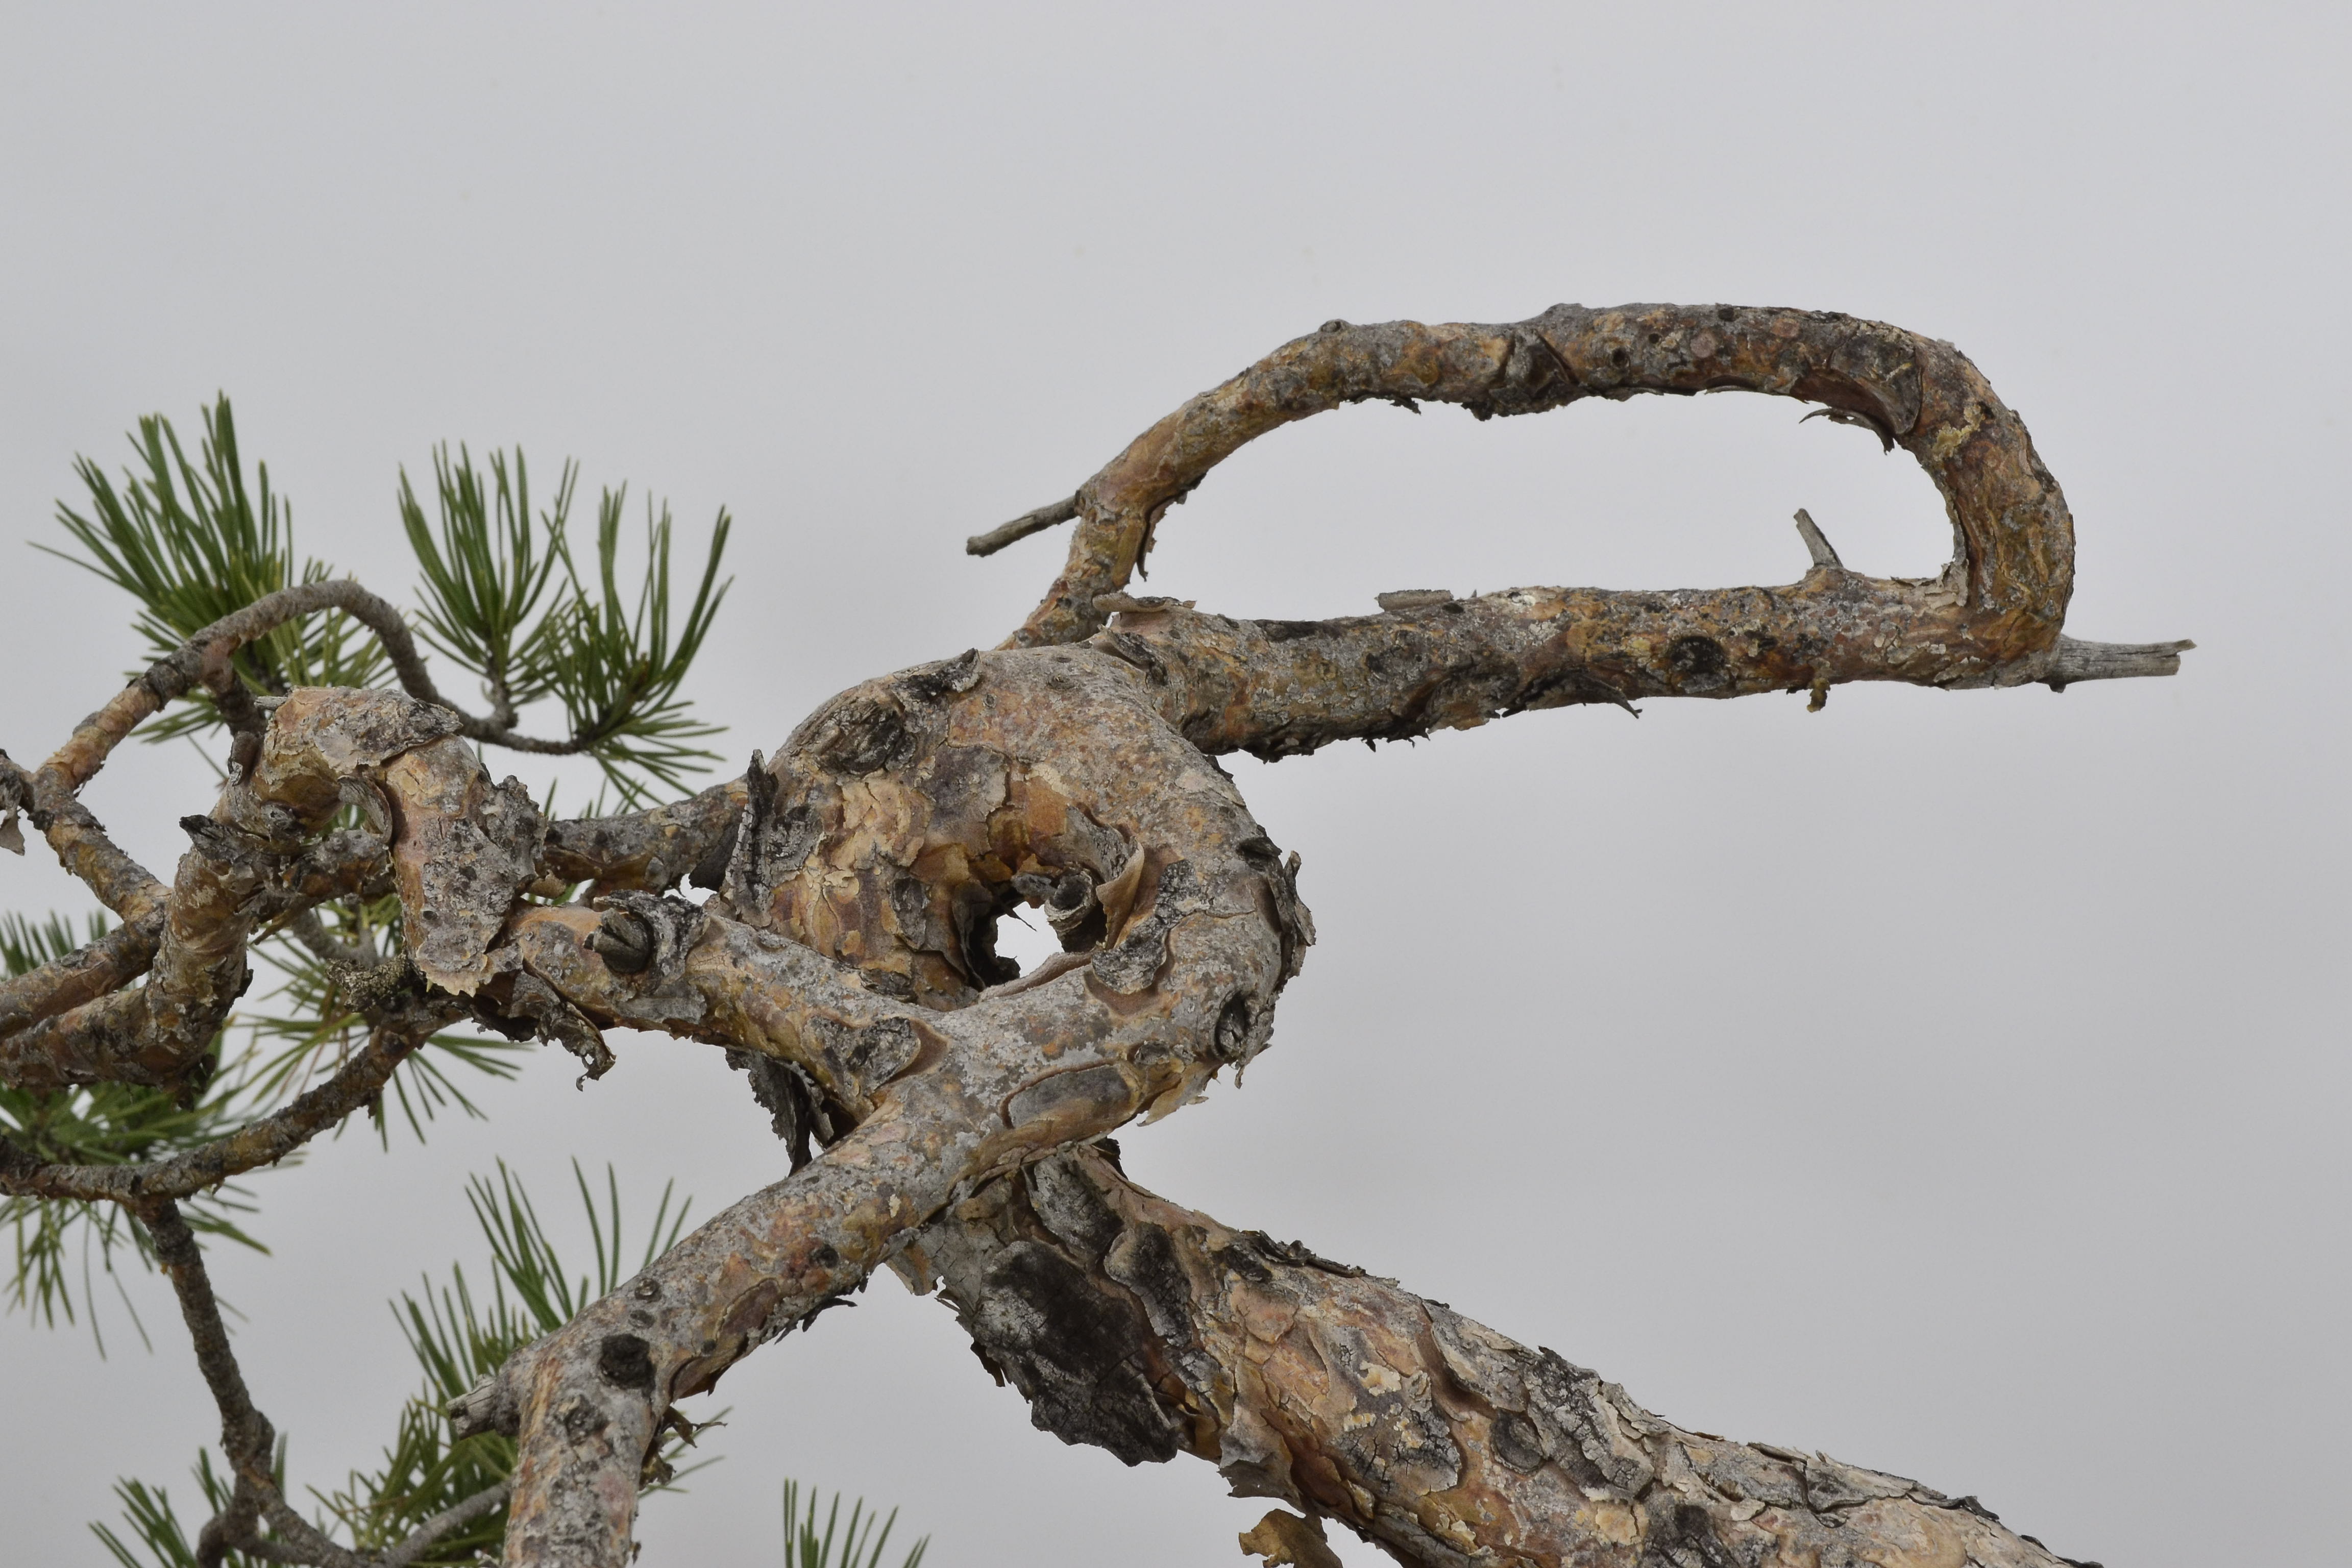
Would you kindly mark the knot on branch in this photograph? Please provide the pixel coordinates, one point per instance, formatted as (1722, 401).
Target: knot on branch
(380, 988)
(645, 934)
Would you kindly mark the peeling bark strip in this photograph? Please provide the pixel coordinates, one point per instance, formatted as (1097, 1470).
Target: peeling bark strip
(1135, 1325)
(1991, 618)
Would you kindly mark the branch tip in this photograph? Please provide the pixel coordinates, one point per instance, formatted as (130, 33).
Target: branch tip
(2075, 660)
(1022, 527)
(1817, 544)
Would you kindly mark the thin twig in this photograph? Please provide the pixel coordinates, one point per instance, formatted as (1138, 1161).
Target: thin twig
(1022, 527)
(246, 1436)
(260, 1143)
(308, 929)
(420, 1541)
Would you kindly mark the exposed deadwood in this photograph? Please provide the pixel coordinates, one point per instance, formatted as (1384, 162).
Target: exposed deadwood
(1133, 1324)
(1817, 544)
(2076, 660)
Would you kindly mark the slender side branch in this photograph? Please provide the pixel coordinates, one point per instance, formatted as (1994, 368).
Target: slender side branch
(87, 973)
(204, 660)
(418, 1542)
(262, 1142)
(48, 795)
(39, 1016)
(1022, 527)
(246, 1436)
(80, 842)
(1135, 1325)
(285, 790)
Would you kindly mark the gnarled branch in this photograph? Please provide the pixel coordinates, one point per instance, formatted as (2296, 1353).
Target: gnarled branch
(1991, 618)
(858, 878)
(1135, 1325)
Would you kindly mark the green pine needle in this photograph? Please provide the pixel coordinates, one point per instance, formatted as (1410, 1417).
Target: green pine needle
(193, 541)
(859, 1545)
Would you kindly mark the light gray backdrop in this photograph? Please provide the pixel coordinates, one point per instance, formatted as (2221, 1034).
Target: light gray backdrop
(1955, 1083)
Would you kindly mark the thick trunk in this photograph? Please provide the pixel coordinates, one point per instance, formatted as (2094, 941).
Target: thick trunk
(1135, 1325)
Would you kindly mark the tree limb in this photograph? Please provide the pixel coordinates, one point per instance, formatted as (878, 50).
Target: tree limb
(1132, 1324)
(246, 1437)
(262, 1142)
(289, 786)
(1991, 618)
(649, 850)
(859, 876)
(1033, 521)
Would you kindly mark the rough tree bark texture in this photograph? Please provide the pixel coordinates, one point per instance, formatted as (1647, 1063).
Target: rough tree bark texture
(847, 960)
(1140, 1327)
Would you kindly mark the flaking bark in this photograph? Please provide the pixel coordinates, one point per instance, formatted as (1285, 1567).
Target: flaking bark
(1135, 1325)
(849, 950)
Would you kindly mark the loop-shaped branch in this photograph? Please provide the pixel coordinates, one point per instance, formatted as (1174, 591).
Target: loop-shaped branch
(1992, 618)
(895, 824)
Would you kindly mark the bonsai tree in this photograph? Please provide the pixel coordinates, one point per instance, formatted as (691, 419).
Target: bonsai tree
(829, 919)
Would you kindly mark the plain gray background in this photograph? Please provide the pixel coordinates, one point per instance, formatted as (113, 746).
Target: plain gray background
(1955, 1083)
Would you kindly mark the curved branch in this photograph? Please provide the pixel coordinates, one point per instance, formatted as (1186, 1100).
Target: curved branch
(246, 1436)
(1132, 1324)
(350, 861)
(80, 842)
(1277, 688)
(48, 794)
(203, 658)
(1992, 618)
(87, 973)
(262, 1142)
(923, 801)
